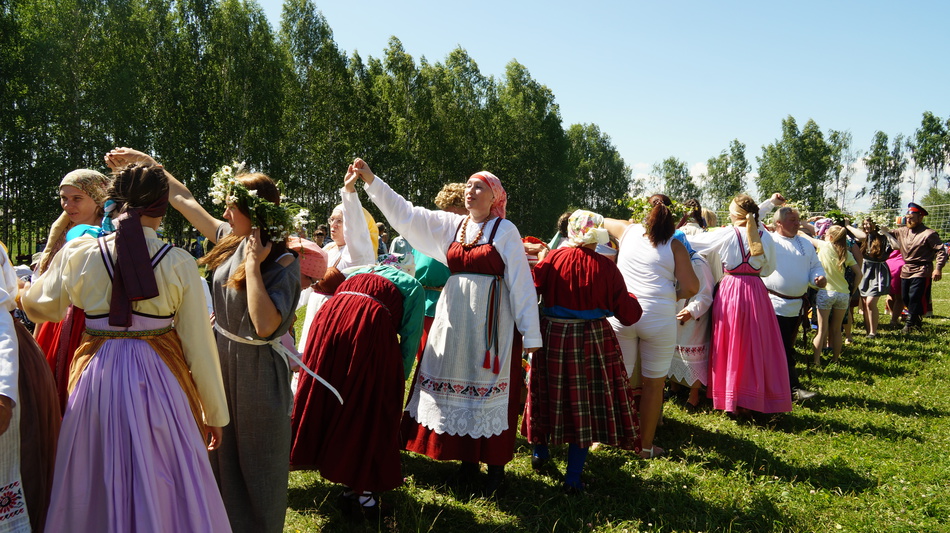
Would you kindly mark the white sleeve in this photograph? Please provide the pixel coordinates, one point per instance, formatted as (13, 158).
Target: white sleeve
(359, 248)
(524, 297)
(9, 348)
(765, 208)
(700, 303)
(767, 266)
(430, 232)
(710, 240)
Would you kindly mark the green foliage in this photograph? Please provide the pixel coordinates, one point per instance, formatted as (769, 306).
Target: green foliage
(200, 82)
(842, 167)
(885, 168)
(798, 165)
(600, 175)
(726, 174)
(673, 179)
(932, 139)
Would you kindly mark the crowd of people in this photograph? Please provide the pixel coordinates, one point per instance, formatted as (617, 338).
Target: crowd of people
(150, 401)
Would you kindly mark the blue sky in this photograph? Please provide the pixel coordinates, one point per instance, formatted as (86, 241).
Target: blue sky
(684, 78)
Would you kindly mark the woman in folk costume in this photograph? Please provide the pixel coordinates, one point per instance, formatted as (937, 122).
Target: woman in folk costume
(37, 408)
(146, 386)
(255, 289)
(578, 392)
(82, 193)
(14, 515)
(465, 399)
(363, 342)
(690, 365)
(355, 239)
(655, 268)
(747, 372)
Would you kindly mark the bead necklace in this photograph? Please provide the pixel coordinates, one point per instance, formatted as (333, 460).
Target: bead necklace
(481, 228)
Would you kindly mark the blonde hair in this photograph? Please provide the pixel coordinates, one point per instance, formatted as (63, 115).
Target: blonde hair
(837, 235)
(451, 195)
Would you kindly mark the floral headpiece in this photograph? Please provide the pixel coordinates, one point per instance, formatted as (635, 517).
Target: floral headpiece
(277, 222)
(640, 207)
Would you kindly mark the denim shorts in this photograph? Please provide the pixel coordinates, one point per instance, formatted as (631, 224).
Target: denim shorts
(828, 299)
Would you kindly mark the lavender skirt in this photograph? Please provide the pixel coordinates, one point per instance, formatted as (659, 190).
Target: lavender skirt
(130, 456)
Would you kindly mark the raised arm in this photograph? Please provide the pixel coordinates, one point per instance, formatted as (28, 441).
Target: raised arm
(178, 195)
(616, 227)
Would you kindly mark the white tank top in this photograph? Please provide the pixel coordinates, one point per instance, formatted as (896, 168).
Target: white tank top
(647, 271)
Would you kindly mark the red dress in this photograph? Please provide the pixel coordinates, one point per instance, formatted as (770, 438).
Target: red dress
(353, 345)
(498, 449)
(59, 341)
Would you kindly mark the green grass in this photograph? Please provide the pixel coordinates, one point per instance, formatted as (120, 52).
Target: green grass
(871, 453)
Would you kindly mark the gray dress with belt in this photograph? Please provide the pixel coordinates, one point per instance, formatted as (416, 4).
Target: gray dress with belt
(251, 465)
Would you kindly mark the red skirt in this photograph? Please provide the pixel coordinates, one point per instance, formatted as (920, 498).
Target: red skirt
(353, 345)
(59, 341)
(497, 450)
(578, 391)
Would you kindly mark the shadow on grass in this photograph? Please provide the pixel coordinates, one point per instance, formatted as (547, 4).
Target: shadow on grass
(832, 401)
(728, 453)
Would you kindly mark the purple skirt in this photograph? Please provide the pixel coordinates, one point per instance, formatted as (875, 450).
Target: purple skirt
(130, 456)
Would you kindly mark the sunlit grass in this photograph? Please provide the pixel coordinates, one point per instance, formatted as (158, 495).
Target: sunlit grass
(871, 453)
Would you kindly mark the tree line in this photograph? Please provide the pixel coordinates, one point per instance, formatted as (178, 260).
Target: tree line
(202, 83)
(816, 168)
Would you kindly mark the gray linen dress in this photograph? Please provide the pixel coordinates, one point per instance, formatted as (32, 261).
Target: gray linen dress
(251, 465)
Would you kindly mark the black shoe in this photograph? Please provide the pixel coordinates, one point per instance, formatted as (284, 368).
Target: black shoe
(537, 463)
(496, 478)
(800, 395)
(465, 477)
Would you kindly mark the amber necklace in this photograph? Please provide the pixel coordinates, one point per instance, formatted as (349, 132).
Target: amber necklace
(481, 228)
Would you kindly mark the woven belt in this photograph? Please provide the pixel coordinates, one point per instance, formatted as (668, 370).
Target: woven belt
(128, 334)
(437, 289)
(741, 273)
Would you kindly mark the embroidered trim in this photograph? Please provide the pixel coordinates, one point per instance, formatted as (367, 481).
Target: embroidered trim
(12, 504)
(470, 390)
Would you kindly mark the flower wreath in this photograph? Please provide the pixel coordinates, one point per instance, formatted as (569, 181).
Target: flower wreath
(276, 222)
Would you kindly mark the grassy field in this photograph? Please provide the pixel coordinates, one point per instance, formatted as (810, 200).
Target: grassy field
(871, 453)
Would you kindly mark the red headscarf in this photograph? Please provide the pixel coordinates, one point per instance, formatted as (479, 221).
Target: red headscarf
(501, 197)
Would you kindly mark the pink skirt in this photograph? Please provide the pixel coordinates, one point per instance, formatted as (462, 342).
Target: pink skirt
(747, 360)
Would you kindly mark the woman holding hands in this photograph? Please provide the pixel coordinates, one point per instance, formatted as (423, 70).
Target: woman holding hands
(465, 399)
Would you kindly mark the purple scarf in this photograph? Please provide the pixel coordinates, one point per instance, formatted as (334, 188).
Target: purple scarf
(134, 278)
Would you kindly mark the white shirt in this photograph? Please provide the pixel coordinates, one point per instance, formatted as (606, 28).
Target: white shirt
(9, 349)
(723, 240)
(796, 267)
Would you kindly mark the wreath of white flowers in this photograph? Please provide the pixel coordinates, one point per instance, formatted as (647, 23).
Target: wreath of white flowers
(275, 221)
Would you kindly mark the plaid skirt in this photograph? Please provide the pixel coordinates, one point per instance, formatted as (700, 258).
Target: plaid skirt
(578, 390)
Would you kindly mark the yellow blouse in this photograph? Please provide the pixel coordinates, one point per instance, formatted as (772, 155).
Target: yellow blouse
(77, 275)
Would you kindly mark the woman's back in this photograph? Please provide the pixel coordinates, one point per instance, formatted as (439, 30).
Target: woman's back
(647, 270)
